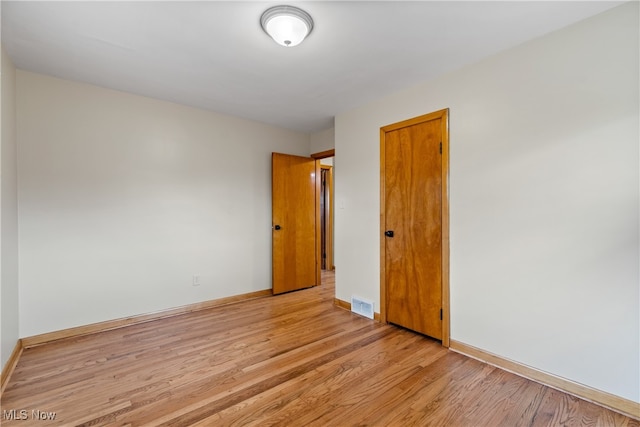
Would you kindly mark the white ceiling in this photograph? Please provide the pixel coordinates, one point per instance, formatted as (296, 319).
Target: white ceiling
(214, 55)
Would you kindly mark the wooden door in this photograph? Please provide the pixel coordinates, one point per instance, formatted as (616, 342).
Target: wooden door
(412, 223)
(295, 231)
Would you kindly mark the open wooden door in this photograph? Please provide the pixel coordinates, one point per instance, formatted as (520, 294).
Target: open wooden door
(295, 232)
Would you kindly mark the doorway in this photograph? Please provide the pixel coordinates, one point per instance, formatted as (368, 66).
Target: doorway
(296, 221)
(326, 214)
(326, 204)
(414, 212)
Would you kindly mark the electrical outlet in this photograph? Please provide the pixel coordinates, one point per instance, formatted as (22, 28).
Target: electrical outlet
(196, 280)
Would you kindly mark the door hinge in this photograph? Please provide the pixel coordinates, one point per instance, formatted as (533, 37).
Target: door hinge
(440, 314)
(440, 147)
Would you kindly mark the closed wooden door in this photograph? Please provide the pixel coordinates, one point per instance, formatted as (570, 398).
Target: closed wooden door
(412, 191)
(295, 231)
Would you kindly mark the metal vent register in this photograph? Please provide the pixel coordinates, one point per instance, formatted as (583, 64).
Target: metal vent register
(362, 306)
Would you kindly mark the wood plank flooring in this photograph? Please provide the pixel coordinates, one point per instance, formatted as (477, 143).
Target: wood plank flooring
(289, 360)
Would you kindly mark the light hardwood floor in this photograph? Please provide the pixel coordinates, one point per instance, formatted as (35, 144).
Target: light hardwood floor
(290, 360)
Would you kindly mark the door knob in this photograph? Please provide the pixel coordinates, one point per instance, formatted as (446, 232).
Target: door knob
(388, 233)
(277, 227)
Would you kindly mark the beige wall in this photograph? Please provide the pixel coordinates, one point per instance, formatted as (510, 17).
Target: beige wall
(9, 291)
(544, 200)
(124, 198)
(322, 141)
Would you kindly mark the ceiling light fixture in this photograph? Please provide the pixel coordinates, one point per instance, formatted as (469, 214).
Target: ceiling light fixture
(286, 25)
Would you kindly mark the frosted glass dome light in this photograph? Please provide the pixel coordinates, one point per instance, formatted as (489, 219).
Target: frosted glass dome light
(286, 25)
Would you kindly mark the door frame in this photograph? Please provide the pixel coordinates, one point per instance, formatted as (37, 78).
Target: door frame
(443, 115)
(318, 156)
(328, 214)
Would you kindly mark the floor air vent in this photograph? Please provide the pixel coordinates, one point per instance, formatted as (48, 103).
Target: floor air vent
(362, 306)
